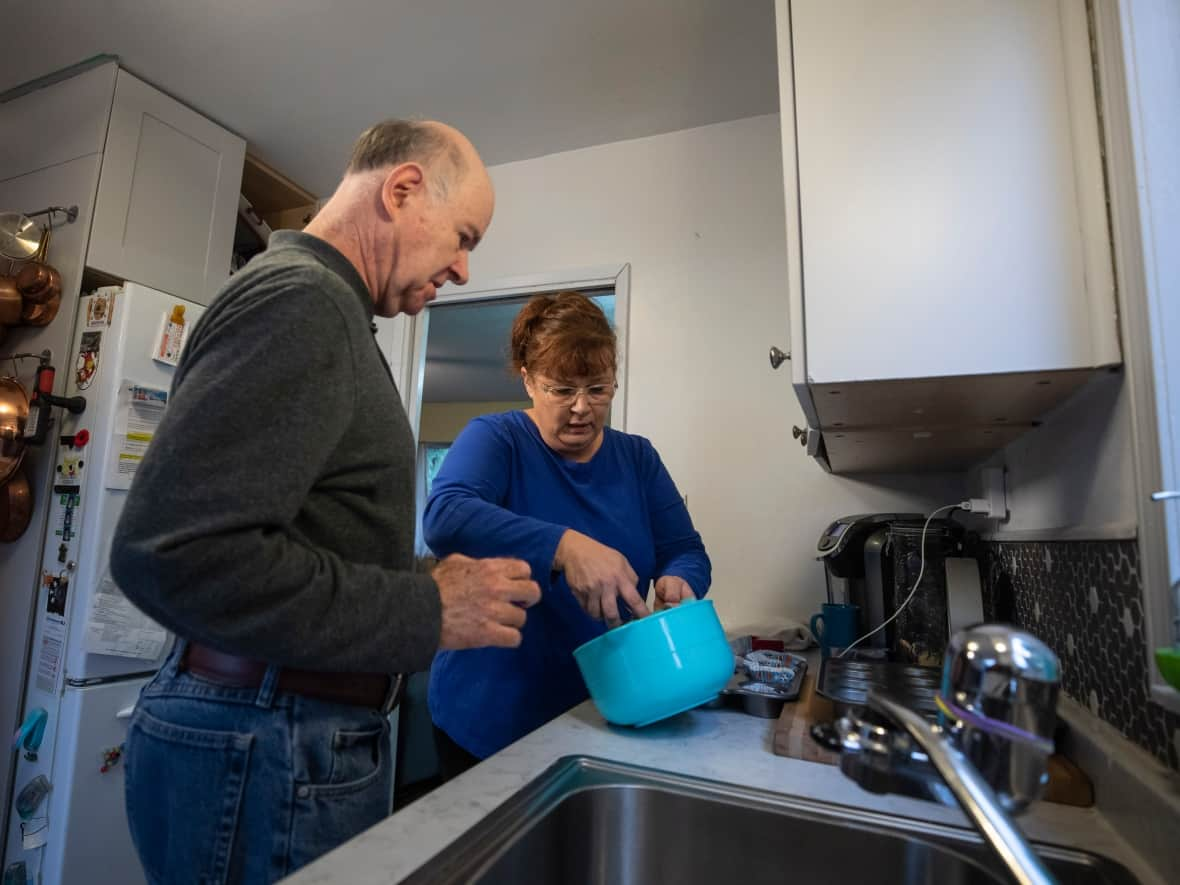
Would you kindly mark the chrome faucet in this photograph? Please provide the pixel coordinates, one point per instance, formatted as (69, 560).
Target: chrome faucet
(989, 750)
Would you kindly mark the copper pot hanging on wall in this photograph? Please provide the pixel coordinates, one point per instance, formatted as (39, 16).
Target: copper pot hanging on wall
(14, 415)
(38, 281)
(11, 302)
(16, 506)
(35, 314)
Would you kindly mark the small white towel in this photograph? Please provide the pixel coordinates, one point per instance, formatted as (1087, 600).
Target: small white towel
(793, 635)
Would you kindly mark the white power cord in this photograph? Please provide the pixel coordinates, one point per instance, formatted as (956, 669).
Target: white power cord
(974, 504)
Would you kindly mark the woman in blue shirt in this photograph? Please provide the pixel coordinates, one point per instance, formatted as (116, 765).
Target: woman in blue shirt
(591, 509)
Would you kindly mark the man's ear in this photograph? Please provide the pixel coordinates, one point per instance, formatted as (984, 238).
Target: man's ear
(402, 182)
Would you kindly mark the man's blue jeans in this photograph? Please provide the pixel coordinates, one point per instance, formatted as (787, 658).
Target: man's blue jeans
(244, 785)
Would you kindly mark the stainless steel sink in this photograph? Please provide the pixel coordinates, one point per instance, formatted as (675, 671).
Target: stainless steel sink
(591, 821)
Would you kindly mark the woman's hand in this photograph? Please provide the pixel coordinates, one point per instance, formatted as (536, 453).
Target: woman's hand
(671, 591)
(598, 576)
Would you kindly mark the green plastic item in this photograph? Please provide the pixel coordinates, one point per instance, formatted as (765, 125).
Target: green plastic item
(1168, 660)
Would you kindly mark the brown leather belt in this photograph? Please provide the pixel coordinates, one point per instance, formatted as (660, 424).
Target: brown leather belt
(377, 691)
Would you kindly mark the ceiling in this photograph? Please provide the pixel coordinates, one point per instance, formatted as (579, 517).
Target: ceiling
(467, 351)
(523, 78)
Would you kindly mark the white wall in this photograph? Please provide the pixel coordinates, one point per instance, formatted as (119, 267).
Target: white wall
(1074, 476)
(67, 183)
(699, 216)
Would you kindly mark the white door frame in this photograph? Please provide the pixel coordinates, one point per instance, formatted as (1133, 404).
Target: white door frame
(1141, 234)
(616, 276)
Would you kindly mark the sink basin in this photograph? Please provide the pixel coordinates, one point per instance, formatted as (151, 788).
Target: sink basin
(587, 820)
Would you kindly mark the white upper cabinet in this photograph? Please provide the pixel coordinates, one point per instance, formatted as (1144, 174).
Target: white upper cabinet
(55, 123)
(946, 210)
(168, 195)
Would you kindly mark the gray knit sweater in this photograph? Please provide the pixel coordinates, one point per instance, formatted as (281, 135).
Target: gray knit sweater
(273, 515)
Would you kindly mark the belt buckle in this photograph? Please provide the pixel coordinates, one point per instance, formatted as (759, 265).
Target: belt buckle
(393, 695)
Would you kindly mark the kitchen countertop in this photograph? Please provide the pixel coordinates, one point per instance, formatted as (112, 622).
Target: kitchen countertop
(718, 745)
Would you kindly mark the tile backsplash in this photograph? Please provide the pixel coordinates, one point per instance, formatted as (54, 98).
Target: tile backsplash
(1085, 599)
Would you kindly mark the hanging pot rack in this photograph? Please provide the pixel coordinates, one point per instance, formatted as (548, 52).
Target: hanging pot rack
(70, 212)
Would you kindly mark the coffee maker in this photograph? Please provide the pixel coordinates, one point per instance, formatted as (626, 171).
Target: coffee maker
(873, 561)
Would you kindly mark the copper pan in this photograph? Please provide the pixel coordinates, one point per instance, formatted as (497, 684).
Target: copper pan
(14, 415)
(16, 507)
(40, 314)
(11, 302)
(38, 281)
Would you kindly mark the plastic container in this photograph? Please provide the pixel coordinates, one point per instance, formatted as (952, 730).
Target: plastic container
(658, 666)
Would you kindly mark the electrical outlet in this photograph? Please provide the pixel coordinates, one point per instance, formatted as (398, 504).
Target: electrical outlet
(993, 480)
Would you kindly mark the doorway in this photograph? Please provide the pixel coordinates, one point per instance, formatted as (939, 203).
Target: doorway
(466, 373)
(458, 369)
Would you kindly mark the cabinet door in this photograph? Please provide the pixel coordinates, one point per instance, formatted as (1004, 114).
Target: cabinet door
(55, 124)
(168, 195)
(950, 191)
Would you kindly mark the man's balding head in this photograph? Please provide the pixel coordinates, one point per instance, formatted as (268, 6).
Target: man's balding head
(415, 200)
(439, 148)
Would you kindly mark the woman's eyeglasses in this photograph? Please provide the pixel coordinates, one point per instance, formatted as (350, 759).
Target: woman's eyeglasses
(596, 394)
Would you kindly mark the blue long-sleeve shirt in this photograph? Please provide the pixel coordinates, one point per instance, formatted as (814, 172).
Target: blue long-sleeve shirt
(503, 492)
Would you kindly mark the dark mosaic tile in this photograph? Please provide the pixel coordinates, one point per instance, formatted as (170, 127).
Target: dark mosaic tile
(1085, 600)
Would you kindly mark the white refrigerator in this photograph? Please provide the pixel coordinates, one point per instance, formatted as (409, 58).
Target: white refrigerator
(91, 650)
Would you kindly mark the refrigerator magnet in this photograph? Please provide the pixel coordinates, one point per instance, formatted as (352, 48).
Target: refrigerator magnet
(101, 307)
(172, 334)
(86, 366)
(110, 758)
(32, 794)
(31, 733)
(69, 471)
(34, 833)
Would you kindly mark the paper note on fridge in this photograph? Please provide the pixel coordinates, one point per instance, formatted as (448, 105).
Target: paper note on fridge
(138, 413)
(116, 627)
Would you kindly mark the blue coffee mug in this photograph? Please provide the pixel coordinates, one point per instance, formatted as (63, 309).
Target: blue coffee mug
(835, 626)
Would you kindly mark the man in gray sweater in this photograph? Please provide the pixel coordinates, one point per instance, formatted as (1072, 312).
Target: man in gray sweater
(271, 527)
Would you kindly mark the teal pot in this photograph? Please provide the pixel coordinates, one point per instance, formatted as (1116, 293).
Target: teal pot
(658, 666)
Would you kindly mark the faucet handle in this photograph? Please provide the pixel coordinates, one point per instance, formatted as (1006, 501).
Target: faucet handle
(1003, 675)
(999, 702)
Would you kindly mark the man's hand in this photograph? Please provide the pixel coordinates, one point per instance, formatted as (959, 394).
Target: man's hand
(671, 591)
(483, 601)
(598, 575)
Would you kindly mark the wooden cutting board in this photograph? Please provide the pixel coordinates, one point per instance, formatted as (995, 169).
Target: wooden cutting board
(792, 735)
(1068, 784)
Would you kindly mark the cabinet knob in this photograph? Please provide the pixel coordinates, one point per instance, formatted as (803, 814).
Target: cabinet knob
(800, 434)
(777, 357)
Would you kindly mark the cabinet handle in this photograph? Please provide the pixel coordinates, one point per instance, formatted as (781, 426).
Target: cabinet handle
(800, 434)
(1164, 496)
(777, 357)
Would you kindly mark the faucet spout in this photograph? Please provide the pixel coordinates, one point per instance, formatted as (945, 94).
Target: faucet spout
(989, 750)
(971, 791)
